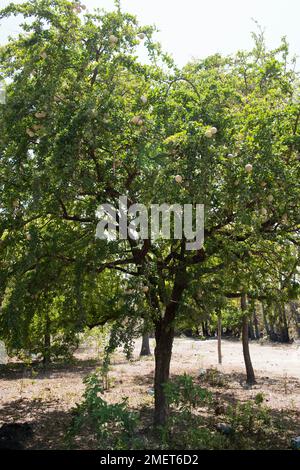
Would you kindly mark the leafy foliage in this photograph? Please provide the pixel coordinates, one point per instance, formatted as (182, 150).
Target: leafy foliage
(85, 122)
(112, 425)
(183, 394)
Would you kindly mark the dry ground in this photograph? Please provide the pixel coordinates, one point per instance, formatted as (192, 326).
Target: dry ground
(46, 397)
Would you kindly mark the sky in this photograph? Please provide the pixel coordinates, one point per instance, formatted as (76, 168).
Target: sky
(195, 28)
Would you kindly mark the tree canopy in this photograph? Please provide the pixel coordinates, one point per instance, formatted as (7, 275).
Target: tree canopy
(87, 121)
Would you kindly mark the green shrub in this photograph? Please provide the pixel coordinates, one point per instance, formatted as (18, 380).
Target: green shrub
(111, 425)
(214, 378)
(185, 428)
(250, 417)
(183, 394)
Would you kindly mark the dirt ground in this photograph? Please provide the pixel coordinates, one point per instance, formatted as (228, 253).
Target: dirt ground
(45, 398)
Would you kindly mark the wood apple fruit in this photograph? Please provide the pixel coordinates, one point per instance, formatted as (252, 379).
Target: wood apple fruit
(208, 134)
(57, 98)
(249, 168)
(264, 212)
(30, 132)
(40, 115)
(136, 120)
(113, 39)
(178, 179)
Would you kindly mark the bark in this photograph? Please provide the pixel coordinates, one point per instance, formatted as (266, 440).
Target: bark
(296, 316)
(205, 329)
(47, 342)
(219, 339)
(272, 332)
(251, 330)
(265, 319)
(145, 350)
(164, 336)
(255, 323)
(284, 329)
(245, 341)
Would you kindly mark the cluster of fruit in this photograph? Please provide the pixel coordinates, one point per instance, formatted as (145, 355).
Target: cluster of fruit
(211, 132)
(31, 131)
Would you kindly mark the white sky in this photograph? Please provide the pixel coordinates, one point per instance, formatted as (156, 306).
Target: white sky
(196, 29)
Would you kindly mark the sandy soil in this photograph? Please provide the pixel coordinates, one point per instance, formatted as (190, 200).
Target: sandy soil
(46, 397)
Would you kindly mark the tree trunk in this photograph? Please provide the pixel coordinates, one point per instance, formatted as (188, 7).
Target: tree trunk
(265, 319)
(251, 330)
(205, 329)
(245, 341)
(219, 339)
(284, 329)
(255, 322)
(145, 350)
(272, 333)
(47, 342)
(164, 336)
(296, 316)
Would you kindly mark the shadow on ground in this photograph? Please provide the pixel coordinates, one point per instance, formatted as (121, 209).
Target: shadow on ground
(19, 370)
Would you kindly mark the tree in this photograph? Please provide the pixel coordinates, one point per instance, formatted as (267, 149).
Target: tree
(145, 349)
(219, 338)
(86, 122)
(245, 341)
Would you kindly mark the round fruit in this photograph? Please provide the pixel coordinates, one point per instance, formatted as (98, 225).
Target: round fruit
(144, 99)
(213, 130)
(113, 39)
(141, 36)
(40, 115)
(264, 212)
(58, 98)
(248, 167)
(30, 132)
(136, 120)
(208, 134)
(178, 179)
(145, 289)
